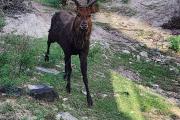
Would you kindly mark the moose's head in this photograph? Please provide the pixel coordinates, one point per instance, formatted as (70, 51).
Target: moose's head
(83, 17)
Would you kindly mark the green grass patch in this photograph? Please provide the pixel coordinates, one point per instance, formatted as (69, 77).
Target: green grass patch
(2, 22)
(52, 3)
(125, 99)
(151, 72)
(134, 99)
(175, 43)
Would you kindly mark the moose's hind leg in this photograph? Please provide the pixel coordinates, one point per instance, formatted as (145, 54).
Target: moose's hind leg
(68, 71)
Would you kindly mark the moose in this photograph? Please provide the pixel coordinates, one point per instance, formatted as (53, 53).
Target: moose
(72, 33)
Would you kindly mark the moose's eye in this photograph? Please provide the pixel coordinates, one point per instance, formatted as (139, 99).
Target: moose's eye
(89, 16)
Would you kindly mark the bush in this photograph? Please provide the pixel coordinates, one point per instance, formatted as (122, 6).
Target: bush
(175, 43)
(17, 57)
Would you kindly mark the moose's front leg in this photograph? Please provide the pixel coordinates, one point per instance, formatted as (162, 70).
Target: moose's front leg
(68, 71)
(83, 61)
(47, 53)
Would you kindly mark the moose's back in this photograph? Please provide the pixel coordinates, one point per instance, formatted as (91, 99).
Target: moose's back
(61, 27)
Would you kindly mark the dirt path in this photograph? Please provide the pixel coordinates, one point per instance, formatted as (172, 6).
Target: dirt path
(35, 24)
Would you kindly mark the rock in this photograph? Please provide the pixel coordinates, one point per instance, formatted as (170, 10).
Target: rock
(126, 51)
(84, 118)
(138, 58)
(58, 67)
(65, 99)
(155, 86)
(11, 91)
(104, 95)
(42, 92)
(65, 116)
(144, 54)
(47, 70)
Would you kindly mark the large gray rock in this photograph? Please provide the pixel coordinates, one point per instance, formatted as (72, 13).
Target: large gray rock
(42, 92)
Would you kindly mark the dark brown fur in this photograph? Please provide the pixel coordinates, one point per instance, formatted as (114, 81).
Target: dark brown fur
(72, 33)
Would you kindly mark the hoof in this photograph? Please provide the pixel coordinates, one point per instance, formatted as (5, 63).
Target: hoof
(46, 58)
(90, 101)
(68, 89)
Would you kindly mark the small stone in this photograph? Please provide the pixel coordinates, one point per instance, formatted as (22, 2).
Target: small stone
(84, 118)
(65, 99)
(126, 51)
(155, 86)
(144, 54)
(138, 58)
(65, 116)
(58, 67)
(104, 95)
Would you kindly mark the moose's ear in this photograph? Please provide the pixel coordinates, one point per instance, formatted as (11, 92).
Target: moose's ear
(91, 3)
(94, 8)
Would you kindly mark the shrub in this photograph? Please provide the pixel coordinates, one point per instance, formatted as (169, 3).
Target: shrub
(175, 43)
(17, 57)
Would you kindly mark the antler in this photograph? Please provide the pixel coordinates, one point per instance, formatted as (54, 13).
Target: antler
(76, 2)
(91, 2)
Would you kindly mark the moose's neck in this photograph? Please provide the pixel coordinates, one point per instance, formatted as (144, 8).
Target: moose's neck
(80, 38)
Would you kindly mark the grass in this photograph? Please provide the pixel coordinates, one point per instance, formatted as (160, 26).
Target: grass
(125, 99)
(2, 22)
(52, 3)
(151, 73)
(175, 43)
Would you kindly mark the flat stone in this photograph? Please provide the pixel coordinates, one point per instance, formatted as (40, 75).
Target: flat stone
(42, 92)
(65, 116)
(84, 118)
(126, 52)
(104, 95)
(47, 70)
